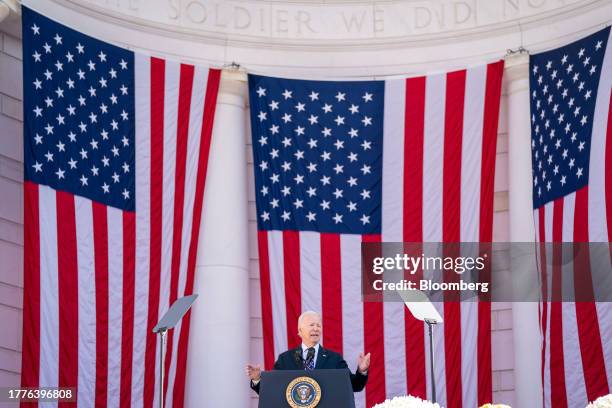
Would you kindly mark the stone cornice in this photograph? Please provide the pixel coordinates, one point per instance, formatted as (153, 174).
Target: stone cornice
(130, 24)
(8, 7)
(335, 25)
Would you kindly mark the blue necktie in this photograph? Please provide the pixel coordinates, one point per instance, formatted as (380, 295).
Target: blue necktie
(309, 363)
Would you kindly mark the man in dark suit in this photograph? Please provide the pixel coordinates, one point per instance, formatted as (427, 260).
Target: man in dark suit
(310, 355)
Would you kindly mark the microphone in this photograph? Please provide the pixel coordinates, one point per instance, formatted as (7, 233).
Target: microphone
(310, 354)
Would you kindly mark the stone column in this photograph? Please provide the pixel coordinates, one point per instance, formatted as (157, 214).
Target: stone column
(219, 337)
(525, 324)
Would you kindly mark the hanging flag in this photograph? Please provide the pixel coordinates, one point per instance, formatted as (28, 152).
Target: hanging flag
(572, 183)
(341, 163)
(116, 147)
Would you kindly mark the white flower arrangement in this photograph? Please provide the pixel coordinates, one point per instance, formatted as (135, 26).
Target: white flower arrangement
(406, 402)
(601, 402)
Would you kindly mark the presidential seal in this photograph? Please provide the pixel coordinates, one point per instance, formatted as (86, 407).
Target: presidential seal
(303, 392)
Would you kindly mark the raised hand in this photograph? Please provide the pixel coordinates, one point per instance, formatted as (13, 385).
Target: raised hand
(254, 372)
(363, 362)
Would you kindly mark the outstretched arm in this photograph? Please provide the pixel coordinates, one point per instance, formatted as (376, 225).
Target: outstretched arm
(360, 377)
(254, 373)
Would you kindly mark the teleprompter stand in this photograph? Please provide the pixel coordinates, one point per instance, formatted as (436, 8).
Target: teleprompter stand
(167, 322)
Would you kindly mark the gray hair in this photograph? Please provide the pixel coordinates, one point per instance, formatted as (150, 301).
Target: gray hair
(307, 313)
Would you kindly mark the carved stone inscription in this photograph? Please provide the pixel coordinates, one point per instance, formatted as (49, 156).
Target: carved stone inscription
(312, 21)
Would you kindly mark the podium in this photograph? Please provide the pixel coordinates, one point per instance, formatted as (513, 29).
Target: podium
(278, 385)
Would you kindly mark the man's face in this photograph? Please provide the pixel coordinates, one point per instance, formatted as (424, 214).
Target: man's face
(310, 330)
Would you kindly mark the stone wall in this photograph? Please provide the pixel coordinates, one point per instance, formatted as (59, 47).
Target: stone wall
(11, 209)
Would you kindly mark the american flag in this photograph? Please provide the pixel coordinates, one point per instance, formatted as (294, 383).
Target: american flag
(116, 148)
(341, 163)
(572, 182)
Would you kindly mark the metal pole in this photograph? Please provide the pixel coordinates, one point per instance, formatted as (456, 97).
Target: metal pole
(431, 359)
(168, 321)
(161, 367)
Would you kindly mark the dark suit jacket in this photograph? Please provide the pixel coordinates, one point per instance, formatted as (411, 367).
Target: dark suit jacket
(326, 359)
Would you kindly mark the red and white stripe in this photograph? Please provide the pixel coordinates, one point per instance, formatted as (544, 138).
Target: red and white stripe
(440, 133)
(98, 278)
(576, 356)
